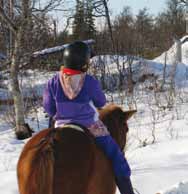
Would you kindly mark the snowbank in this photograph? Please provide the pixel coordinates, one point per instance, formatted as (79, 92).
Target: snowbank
(181, 188)
(171, 53)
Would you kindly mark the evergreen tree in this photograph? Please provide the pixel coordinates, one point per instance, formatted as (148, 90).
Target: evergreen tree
(79, 21)
(90, 21)
(84, 23)
(175, 17)
(144, 29)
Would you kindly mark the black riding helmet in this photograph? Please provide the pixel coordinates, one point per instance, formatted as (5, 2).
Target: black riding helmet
(76, 56)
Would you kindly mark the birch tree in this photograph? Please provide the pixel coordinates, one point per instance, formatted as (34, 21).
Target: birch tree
(21, 27)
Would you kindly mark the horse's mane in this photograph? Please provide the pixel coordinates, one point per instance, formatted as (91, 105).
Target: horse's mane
(109, 109)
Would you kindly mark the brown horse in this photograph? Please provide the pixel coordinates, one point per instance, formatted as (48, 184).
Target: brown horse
(66, 161)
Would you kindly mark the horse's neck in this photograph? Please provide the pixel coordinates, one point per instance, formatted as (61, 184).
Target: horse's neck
(110, 118)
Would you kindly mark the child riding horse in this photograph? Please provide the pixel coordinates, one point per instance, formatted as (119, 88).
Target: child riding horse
(67, 161)
(72, 96)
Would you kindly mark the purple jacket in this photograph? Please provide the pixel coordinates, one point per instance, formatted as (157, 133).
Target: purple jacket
(81, 110)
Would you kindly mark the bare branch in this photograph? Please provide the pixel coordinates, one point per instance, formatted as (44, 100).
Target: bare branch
(7, 20)
(68, 23)
(183, 1)
(51, 6)
(97, 16)
(38, 19)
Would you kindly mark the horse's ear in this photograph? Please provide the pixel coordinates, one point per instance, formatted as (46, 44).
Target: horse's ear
(129, 114)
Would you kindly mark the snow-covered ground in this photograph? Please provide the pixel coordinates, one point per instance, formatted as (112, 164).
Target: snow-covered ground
(161, 167)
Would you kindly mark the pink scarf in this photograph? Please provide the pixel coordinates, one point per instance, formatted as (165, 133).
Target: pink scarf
(71, 84)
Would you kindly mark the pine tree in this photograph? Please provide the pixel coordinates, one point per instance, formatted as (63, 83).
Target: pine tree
(84, 22)
(175, 17)
(79, 21)
(143, 27)
(90, 21)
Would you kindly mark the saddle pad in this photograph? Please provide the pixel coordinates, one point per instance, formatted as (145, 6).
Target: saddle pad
(76, 127)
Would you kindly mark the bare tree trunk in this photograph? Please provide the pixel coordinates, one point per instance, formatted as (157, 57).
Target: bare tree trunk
(109, 23)
(130, 60)
(179, 51)
(55, 30)
(186, 15)
(11, 14)
(164, 73)
(22, 129)
(20, 33)
(175, 63)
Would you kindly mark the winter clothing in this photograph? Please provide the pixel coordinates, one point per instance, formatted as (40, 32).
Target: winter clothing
(72, 84)
(73, 100)
(120, 165)
(68, 71)
(79, 110)
(113, 152)
(124, 184)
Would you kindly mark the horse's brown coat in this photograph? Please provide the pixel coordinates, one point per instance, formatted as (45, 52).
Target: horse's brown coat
(68, 161)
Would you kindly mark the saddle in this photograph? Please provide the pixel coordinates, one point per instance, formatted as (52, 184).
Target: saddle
(74, 126)
(77, 127)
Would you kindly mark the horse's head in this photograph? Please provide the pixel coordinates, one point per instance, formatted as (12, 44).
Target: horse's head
(116, 121)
